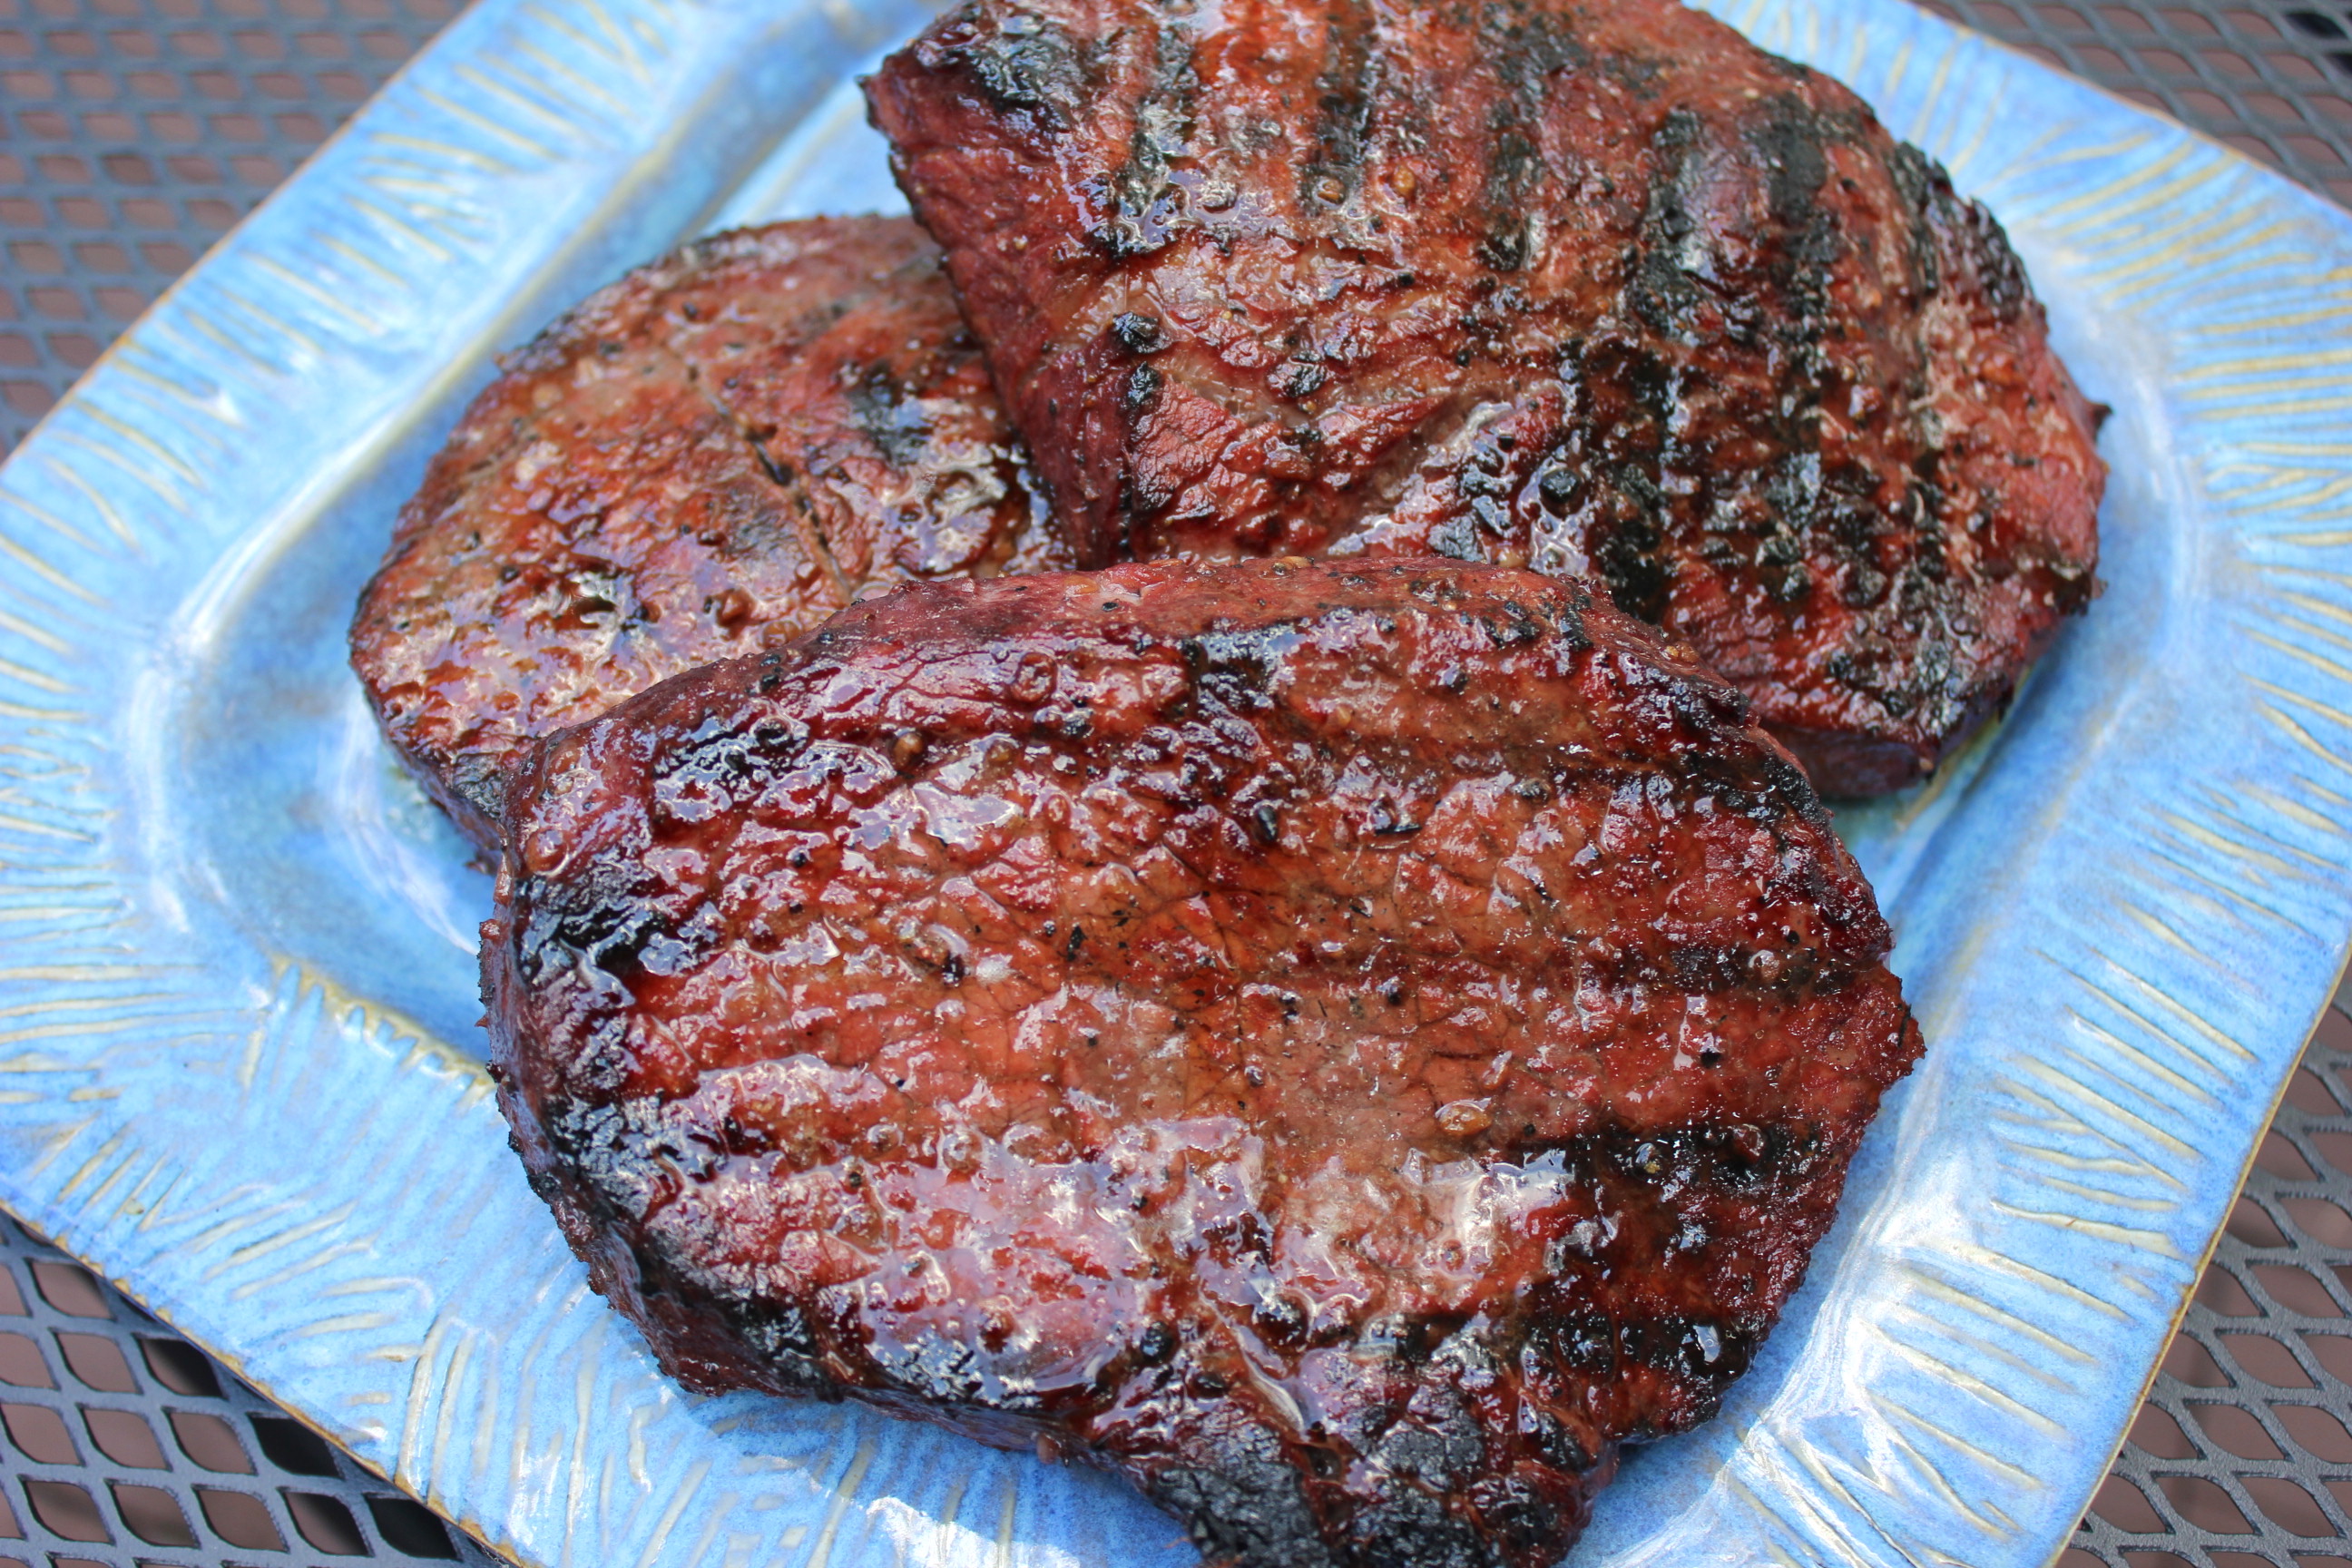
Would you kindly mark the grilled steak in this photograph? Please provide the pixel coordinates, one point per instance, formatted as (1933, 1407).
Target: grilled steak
(1345, 1045)
(725, 446)
(1592, 286)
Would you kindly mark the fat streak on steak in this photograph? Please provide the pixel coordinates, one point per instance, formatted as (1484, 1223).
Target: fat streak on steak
(1592, 286)
(1347, 1047)
(724, 446)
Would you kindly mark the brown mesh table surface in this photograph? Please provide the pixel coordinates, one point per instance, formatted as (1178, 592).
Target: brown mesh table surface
(133, 133)
(128, 1446)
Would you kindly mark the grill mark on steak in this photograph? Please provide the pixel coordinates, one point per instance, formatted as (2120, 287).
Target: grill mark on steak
(790, 490)
(1145, 202)
(1527, 50)
(1347, 1047)
(1343, 110)
(1027, 69)
(1794, 145)
(1455, 248)
(889, 415)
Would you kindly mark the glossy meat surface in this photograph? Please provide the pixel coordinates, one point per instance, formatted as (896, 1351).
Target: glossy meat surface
(1345, 1046)
(1586, 286)
(724, 446)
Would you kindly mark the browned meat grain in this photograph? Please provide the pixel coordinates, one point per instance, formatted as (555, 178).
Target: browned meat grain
(725, 446)
(1578, 286)
(1345, 1047)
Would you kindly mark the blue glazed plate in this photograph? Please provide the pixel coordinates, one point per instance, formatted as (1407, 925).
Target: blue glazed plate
(239, 1070)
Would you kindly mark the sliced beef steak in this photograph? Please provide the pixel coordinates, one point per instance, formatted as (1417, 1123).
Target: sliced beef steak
(1344, 1046)
(1587, 286)
(724, 446)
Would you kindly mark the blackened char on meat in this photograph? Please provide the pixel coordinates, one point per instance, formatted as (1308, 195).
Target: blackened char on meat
(1586, 286)
(725, 446)
(1345, 1046)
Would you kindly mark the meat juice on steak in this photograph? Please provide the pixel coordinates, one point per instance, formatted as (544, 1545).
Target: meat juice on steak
(1587, 286)
(725, 446)
(1344, 1046)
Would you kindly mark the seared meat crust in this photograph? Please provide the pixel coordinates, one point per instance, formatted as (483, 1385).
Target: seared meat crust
(1344, 1046)
(1587, 286)
(725, 446)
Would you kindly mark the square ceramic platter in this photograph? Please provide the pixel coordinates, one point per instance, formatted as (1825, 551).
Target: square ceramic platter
(239, 1069)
